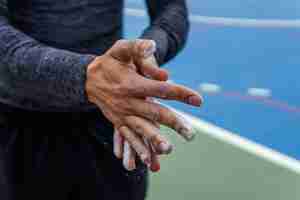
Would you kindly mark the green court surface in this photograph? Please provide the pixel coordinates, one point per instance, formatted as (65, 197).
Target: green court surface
(219, 165)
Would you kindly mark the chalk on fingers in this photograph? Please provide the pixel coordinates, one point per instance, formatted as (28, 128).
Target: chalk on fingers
(118, 144)
(128, 157)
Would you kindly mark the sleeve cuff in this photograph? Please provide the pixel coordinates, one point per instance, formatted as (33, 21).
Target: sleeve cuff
(69, 74)
(80, 79)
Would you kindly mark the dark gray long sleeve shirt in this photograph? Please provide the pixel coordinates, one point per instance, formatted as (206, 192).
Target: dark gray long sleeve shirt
(46, 45)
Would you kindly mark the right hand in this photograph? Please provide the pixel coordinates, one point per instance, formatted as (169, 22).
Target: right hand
(120, 92)
(124, 151)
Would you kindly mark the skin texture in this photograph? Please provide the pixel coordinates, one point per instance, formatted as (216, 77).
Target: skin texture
(115, 86)
(129, 155)
(147, 67)
(150, 62)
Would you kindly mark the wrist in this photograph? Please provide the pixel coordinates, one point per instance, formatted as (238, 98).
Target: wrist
(91, 71)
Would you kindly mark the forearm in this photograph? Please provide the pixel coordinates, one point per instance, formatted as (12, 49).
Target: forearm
(169, 27)
(46, 71)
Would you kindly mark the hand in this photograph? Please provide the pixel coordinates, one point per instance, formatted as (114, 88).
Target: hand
(122, 149)
(115, 87)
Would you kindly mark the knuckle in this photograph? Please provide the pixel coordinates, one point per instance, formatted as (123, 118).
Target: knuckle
(170, 116)
(165, 91)
(135, 90)
(123, 131)
(122, 108)
(123, 112)
(127, 134)
(126, 87)
(136, 124)
(139, 128)
(154, 138)
(156, 113)
(128, 107)
(131, 121)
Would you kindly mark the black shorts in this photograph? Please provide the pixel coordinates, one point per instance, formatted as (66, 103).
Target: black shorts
(56, 156)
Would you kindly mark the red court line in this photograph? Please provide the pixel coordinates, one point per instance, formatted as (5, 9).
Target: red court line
(264, 100)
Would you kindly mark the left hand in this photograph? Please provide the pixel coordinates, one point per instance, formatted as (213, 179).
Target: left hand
(122, 148)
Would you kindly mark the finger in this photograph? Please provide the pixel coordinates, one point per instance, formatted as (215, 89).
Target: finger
(146, 129)
(156, 112)
(136, 143)
(164, 90)
(126, 50)
(122, 50)
(118, 144)
(156, 124)
(128, 157)
(145, 60)
(144, 48)
(155, 163)
(152, 100)
(150, 69)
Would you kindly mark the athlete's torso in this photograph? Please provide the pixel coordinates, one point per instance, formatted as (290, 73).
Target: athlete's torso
(80, 25)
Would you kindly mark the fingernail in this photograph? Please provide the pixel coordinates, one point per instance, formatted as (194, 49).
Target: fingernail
(155, 167)
(151, 50)
(187, 134)
(195, 100)
(165, 147)
(131, 165)
(187, 131)
(185, 128)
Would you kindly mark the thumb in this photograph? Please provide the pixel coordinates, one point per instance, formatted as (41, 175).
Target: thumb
(122, 50)
(145, 61)
(149, 68)
(141, 52)
(128, 50)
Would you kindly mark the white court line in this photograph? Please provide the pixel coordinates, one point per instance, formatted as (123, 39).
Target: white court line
(245, 144)
(210, 88)
(242, 143)
(229, 22)
(259, 92)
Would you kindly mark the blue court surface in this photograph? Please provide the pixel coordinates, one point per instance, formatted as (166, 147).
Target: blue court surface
(244, 57)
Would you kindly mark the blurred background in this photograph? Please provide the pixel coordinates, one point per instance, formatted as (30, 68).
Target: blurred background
(244, 57)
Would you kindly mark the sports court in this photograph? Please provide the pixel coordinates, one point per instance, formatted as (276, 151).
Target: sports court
(244, 57)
